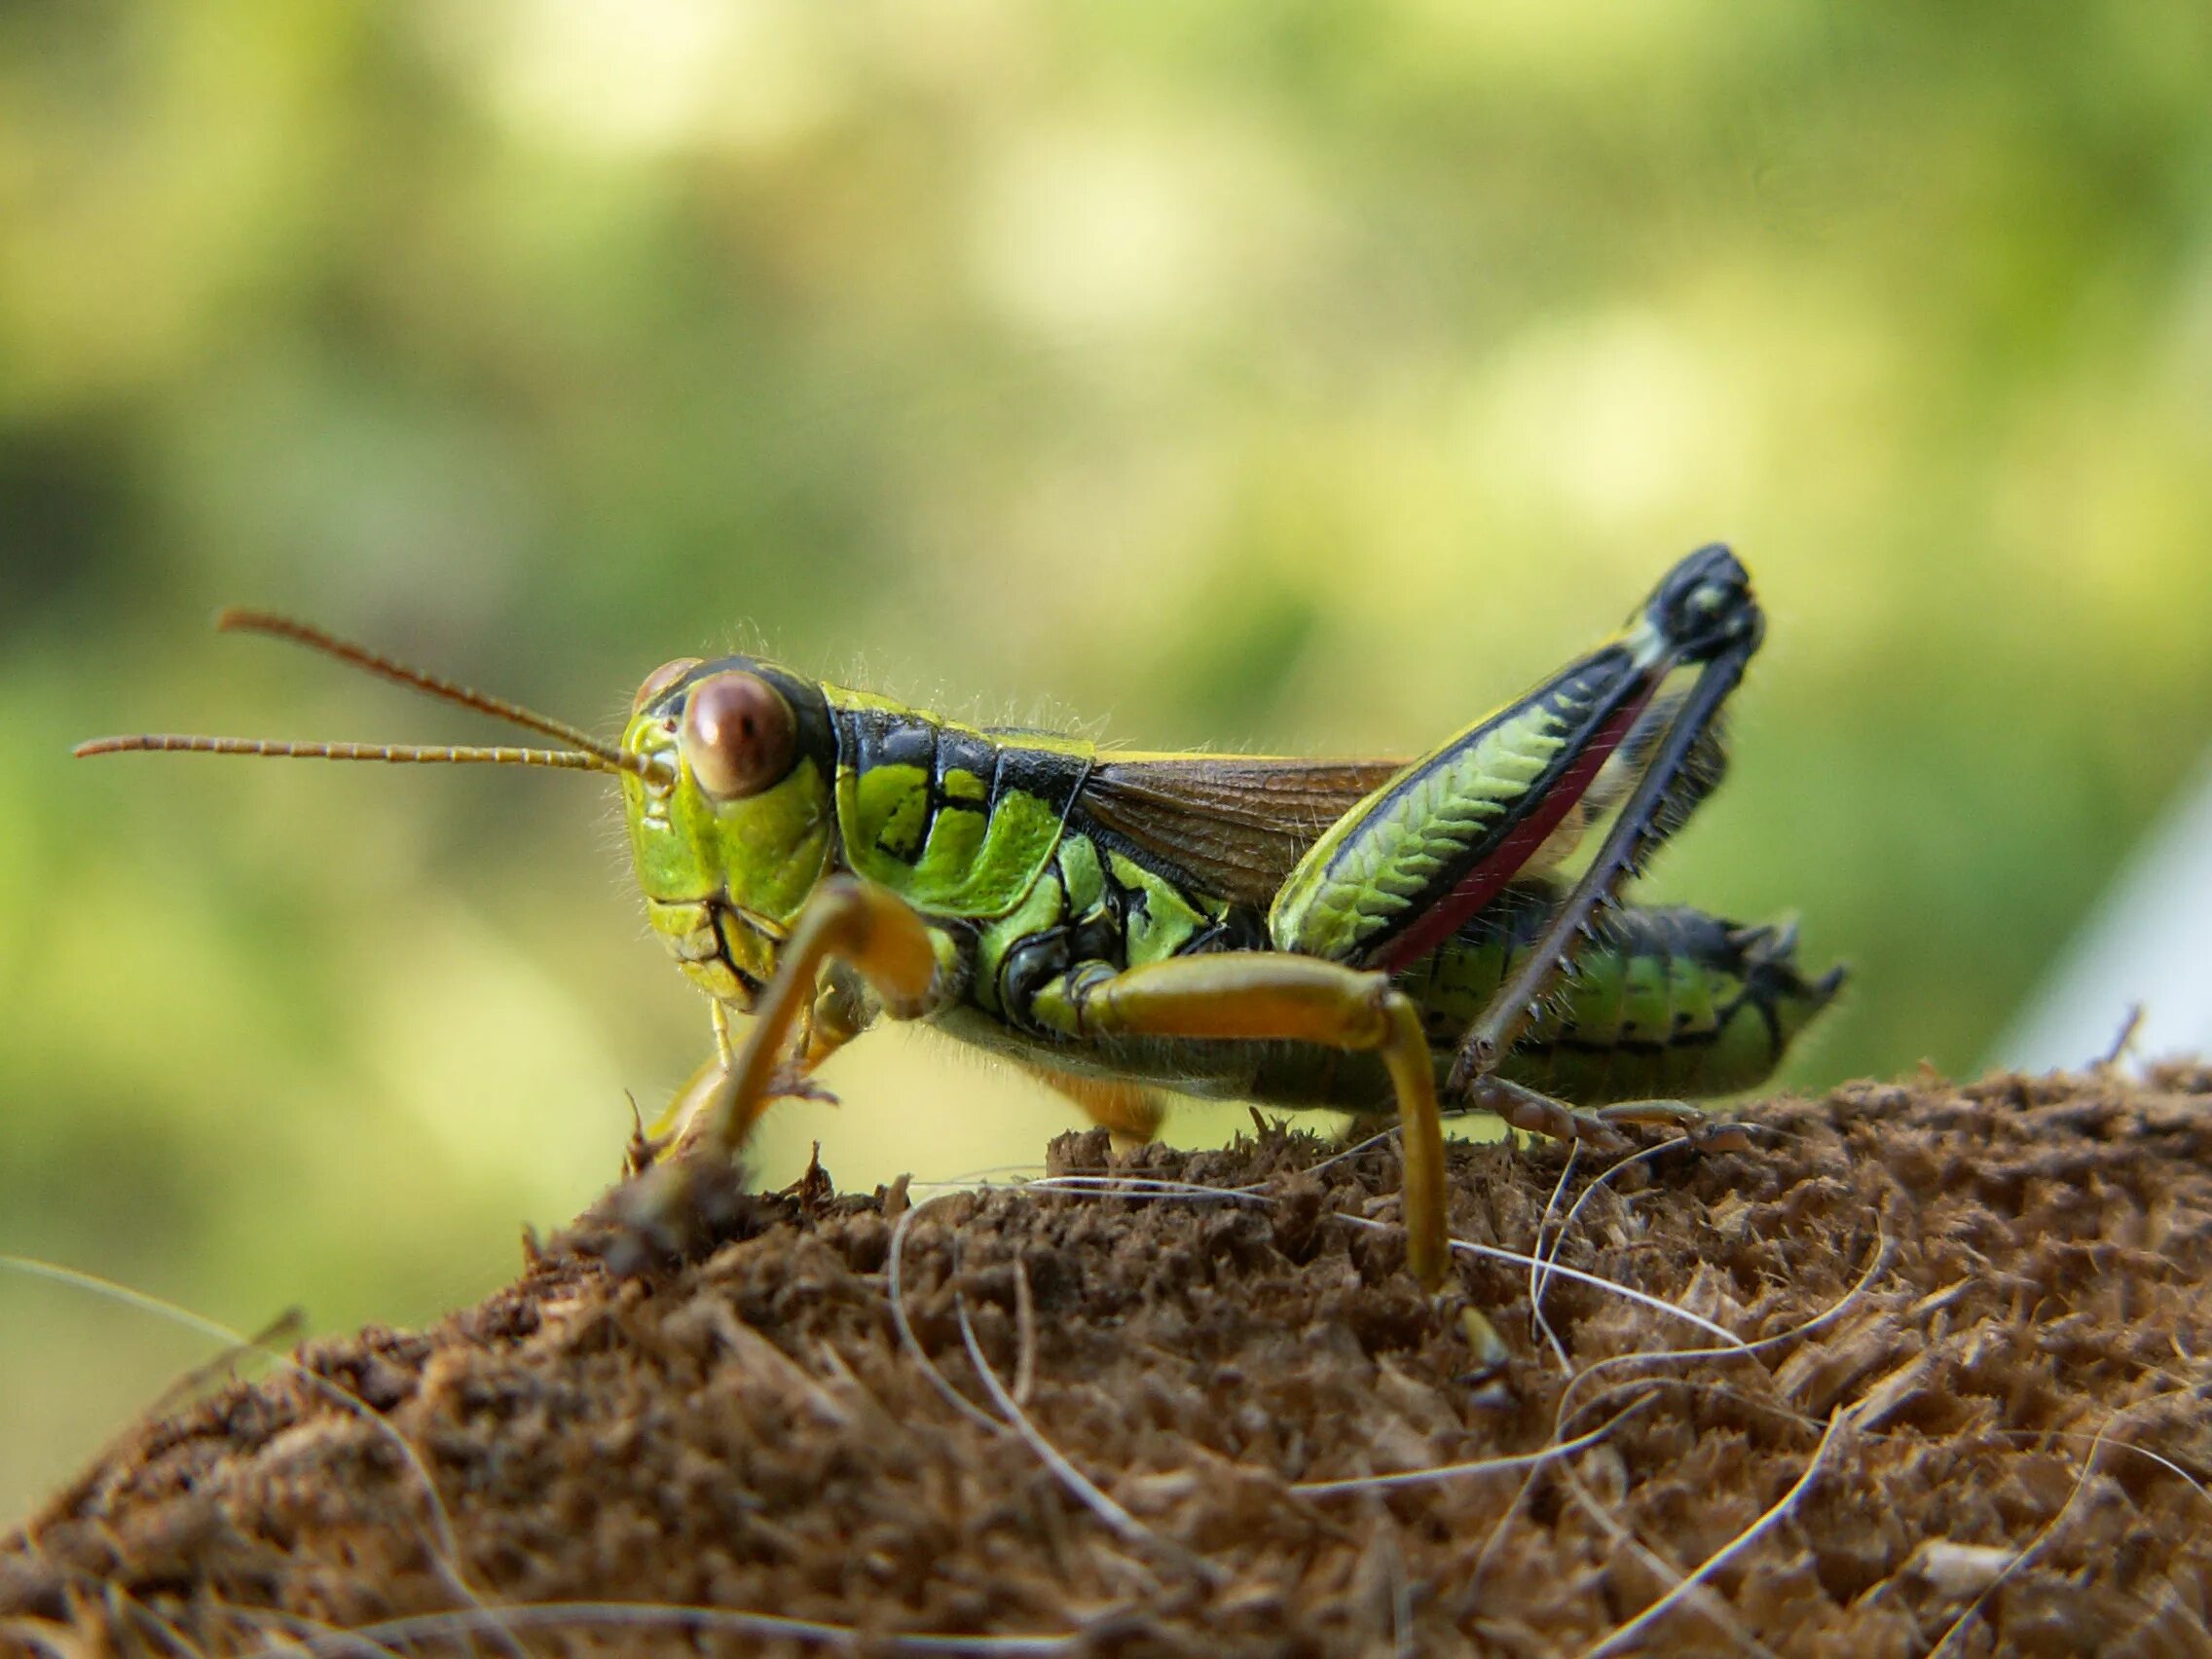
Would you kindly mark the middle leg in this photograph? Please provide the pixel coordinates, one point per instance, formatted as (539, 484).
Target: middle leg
(1261, 995)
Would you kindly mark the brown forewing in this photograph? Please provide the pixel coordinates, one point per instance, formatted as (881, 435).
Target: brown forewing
(1236, 823)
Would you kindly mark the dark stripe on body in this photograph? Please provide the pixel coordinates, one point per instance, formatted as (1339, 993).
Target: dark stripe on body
(1102, 933)
(868, 738)
(1538, 813)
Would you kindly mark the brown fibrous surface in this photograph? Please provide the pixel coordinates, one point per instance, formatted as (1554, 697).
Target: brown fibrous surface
(1969, 1418)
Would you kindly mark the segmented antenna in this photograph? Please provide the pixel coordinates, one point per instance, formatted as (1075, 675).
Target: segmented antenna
(402, 754)
(590, 754)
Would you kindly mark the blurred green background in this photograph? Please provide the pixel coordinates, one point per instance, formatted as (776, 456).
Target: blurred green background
(1297, 375)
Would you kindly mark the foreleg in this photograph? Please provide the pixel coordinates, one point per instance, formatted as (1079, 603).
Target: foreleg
(903, 960)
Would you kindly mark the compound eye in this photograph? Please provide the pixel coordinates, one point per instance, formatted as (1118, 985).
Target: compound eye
(659, 681)
(737, 735)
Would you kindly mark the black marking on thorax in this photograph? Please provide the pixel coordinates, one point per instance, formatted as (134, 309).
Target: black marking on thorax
(868, 738)
(1102, 933)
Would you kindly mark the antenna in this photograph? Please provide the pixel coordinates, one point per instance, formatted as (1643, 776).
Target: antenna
(403, 754)
(590, 754)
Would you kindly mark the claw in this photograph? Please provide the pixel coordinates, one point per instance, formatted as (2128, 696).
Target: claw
(790, 1081)
(676, 1210)
(1720, 1135)
(1490, 1361)
(646, 1146)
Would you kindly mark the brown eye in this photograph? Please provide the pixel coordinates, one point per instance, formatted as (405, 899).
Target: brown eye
(737, 735)
(660, 679)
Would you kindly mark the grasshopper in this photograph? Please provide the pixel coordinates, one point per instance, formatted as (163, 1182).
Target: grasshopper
(1296, 933)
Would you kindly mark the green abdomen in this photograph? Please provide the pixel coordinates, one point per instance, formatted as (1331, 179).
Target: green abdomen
(1665, 1003)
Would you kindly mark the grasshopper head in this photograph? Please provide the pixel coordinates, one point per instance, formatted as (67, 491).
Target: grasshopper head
(730, 812)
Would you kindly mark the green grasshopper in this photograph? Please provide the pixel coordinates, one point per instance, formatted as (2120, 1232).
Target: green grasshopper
(1295, 933)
